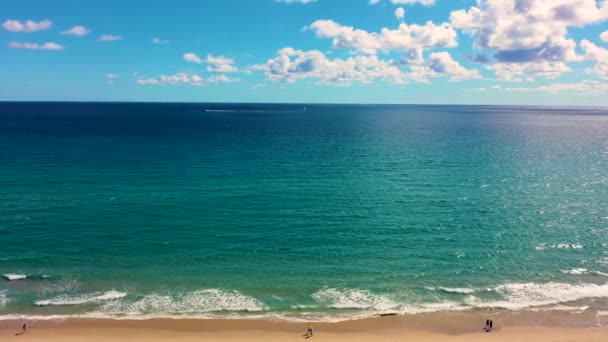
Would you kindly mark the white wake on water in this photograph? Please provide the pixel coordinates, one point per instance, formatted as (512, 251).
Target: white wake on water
(96, 297)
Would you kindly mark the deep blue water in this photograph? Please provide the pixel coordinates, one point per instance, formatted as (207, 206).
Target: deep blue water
(300, 210)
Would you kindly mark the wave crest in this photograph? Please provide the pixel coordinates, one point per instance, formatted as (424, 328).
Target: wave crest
(352, 299)
(65, 300)
(202, 301)
(14, 276)
(528, 295)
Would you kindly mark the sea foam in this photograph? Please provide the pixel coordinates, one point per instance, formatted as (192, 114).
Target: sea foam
(352, 299)
(202, 301)
(575, 271)
(64, 300)
(13, 276)
(459, 290)
(518, 296)
(3, 298)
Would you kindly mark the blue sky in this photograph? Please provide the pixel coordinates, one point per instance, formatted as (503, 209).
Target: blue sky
(356, 51)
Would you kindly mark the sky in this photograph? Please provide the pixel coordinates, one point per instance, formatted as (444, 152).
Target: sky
(537, 52)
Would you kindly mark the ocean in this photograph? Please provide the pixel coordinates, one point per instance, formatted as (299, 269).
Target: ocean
(300, 212)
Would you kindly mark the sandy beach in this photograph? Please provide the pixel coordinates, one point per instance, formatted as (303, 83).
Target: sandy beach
(427, 327)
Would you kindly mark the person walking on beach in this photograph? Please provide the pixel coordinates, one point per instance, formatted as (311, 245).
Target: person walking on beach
(23, 329)
(309, 332)
(489, 325)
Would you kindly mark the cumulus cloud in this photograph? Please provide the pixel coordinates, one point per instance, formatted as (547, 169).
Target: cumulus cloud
(192, 57)
(26, 26)
(441, 63)
(220, 64)
(111, 75)
(533, 32)
(604, 36)
(598, 55)
(158, 41)
(292, 65)
(176, 79)
(584, 87)
(222, 79)
(528, 30)
(77, 30)
(109, 38)
(295, 1)
(404, 38)
(400, 13)
(517, 72)
(407, 2)
(36, 46)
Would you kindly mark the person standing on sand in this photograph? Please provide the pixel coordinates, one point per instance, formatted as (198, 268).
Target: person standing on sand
(309, 332)
(23, 329)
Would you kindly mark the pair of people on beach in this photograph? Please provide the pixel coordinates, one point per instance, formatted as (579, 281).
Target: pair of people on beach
(309, 332)
(489, 325)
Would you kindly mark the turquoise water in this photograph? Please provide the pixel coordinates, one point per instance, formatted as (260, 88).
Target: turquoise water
(303, 212)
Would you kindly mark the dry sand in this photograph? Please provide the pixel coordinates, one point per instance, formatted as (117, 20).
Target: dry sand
(431, 327)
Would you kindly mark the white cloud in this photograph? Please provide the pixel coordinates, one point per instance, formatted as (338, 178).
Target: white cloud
(400, 13)
(295, 1)
(441, 63)
(292, 65)
(77, 30)
(220, 64)
(109, 38)
(158, 41)
(35, 46)
(26, 26)
(222, 79)
(176, 79)
(604, 36)
(110, 75)
(517, 72)
(404, 38)
(192, 57)
(598, 55)
(521, 31)
(409, 2)
(528, 36)
(585, 87)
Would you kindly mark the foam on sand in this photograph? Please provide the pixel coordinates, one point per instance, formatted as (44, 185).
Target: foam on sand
(352, 299)
(197, 302)
(14, 276)
(82, 299)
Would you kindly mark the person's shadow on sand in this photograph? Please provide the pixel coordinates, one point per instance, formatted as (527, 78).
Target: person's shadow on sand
(23, 329)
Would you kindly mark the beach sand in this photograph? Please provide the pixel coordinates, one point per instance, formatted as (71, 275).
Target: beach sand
(431, 327)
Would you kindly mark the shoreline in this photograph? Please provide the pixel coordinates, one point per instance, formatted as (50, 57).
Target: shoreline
(421, 327)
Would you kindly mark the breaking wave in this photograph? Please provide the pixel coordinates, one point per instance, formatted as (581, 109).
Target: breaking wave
(352, 299)
(97, 297)
(202, 301)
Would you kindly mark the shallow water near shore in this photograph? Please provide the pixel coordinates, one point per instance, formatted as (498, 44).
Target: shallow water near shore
(322, 212)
